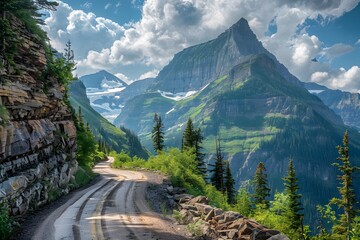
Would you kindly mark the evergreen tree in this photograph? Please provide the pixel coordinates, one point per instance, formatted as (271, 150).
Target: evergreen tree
(261, 189)
(158, 134)
(348, 199)
(199, 156)
(188, 139)
(69, 56)
(291, 188)
(229, 184)
(217, 178)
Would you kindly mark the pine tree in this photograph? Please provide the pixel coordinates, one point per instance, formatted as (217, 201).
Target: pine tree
(199, 156)
(261, 189)
(158, 134)
(217, 179)
(291, 188)
(348, 198)
(229, 183)
(188, 139)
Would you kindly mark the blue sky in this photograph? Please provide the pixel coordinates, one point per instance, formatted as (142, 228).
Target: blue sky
(134, 39)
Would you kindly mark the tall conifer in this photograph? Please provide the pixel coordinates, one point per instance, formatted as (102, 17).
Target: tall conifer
(348, 199)
(262, 192)
(217, 178)
(158, 134)
(291, 189)
(229, 183)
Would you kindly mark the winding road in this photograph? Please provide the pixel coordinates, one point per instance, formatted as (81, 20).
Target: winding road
(113, 208)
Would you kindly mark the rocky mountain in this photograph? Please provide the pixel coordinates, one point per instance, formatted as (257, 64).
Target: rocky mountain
(102, 89)
(233, 88)
(116, 138)
(194, 67)
(344, 104)
(37, 135)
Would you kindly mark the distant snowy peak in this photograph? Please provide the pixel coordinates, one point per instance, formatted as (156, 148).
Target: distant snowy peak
(102, 80)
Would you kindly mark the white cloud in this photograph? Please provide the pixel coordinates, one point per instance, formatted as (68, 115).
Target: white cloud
(319, 77)
(85, 30)
(347, 79)
(150, 74)
(123, 77)
(168, 26)
(358, 42)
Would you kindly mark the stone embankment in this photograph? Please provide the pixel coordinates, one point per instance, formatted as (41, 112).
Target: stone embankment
(37, 135)
(215, 223)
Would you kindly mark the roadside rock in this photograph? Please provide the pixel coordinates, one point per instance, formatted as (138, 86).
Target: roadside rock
(220, 224)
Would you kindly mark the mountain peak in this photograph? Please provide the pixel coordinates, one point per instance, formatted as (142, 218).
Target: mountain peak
(241, 24)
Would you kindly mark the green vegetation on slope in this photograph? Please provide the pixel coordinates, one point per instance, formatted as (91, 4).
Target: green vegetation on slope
(115, 138)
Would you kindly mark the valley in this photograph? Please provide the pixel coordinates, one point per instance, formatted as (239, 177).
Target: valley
(179, 126)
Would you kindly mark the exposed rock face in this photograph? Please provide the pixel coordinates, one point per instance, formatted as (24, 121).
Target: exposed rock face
(38, 143)
(218, 224)
(194, 67)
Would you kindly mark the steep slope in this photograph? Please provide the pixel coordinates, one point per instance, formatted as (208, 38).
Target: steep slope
(259, 110)
(194, 67)
(102, 89)
(345, 104)
(114, 137)
(37, 135)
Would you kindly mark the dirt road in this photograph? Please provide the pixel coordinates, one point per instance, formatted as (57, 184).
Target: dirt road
(113, 208)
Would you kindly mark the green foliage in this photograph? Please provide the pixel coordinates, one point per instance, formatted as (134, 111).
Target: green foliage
(192, 138)
(158, 134)
(83, 176)
(4, 116)
(217, 178)
(355, 230)
(178, 217)
(229, 184)
(27, 11)
(6, 223)
(188, 139)
(262, 192)
(243, 202)
(182, 169)
(347, 202)
(120, 159)
(196, 228)
(114, 138)
(291, 190)
(276, 217)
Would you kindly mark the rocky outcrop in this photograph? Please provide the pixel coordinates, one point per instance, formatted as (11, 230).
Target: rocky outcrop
(38, 140)
(219, 224)
(196, 66)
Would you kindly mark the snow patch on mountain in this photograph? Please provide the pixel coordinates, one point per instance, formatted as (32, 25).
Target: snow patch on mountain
(180, 95)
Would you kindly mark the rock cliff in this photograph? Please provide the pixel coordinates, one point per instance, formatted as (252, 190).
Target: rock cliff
(37, 135)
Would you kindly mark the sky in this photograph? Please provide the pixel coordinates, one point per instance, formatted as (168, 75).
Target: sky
(135, 39)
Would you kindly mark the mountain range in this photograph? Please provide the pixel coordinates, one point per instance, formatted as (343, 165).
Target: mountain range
(344, 104)
(234, 89)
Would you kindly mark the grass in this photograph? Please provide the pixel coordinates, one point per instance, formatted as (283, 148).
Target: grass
(83, 176)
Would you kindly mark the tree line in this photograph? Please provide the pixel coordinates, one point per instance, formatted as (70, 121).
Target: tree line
(285, 211)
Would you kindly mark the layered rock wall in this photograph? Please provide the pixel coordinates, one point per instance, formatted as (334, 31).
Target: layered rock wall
(37, 135)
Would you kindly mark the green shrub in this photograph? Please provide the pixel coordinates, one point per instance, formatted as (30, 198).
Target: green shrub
(196, 228)
(4, 116)
(6, 223)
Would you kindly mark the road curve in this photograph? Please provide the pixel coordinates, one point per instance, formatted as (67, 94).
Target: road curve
(113, 208)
